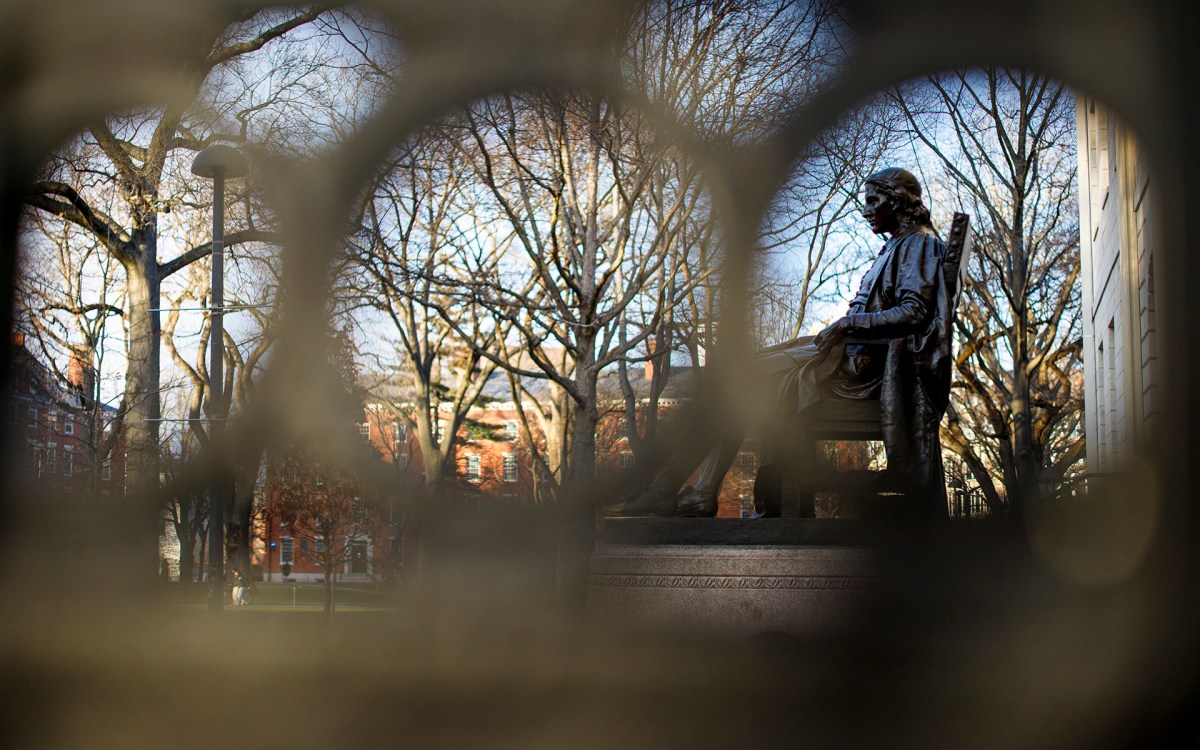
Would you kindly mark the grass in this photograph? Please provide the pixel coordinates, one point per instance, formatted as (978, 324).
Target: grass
(286, 597)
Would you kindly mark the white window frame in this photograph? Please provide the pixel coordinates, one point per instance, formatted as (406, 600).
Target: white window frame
(474, 467)
(510, 467)
(287, 550)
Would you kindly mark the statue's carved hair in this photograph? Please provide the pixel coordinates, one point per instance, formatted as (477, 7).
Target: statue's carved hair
(903, 192)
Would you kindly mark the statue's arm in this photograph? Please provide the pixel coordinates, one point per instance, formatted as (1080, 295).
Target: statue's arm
(916, 276)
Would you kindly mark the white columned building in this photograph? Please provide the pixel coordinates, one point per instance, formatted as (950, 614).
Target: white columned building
(1117, 256)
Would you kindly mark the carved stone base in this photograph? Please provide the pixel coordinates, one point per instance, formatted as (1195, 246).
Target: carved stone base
(807, 578)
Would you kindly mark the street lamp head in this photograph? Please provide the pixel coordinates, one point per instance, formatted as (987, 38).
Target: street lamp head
(219, 156)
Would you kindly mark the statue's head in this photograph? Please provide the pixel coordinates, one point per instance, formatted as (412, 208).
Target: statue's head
(897, 200)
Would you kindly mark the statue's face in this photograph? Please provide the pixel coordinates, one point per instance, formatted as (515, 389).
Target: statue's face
(877, 210)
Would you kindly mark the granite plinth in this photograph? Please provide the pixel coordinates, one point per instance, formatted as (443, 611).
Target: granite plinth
(740, 577)
(787, 532)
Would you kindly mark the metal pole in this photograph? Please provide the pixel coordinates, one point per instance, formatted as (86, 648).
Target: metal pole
(216, 379)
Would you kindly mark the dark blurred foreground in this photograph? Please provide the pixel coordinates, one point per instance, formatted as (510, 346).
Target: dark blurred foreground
(978, 638)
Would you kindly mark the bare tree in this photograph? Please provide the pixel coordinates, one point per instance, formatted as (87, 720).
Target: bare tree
(1004, 144)
(405, 276)
(111, 183)
(559, 172)
(67, 307)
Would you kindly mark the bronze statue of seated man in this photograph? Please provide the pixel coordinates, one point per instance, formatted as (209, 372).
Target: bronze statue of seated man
(893, 344)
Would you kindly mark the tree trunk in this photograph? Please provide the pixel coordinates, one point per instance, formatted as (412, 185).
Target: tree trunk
(142, 383)
(187, 571)
(1022, 437)
(202, 558)
(328, 566)
(240, 515)
(579, 530)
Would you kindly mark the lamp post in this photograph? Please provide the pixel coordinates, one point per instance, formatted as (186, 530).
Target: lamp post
(217, 162)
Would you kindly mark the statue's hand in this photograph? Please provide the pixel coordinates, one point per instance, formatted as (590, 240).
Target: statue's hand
(832, 333)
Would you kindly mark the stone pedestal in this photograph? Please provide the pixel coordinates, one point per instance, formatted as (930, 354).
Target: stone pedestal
(741, 577)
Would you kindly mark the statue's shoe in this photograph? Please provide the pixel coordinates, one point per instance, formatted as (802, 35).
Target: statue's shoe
(695, 503)
(647, 502)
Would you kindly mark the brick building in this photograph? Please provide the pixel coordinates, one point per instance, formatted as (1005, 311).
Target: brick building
(61, 433)
(494, 468)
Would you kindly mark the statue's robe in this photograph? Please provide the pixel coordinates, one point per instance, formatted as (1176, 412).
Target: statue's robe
(899, 351)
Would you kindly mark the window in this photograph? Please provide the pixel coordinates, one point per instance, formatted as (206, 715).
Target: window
(748, 461)
(33, 417)
(398, 549)
(1110, 364)
(746, 506)
(303, 546)
(364, 429)
(320, 546)
(68, 460)
(510, 430)
(510, 467)
(106, 469)
(402, 462)
(400, 433)
(286, 548)
(52, 458)
(473, 467)
(626, 459)
(69, 426)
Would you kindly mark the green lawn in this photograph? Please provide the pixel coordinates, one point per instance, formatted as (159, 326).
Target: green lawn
(279, 597)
